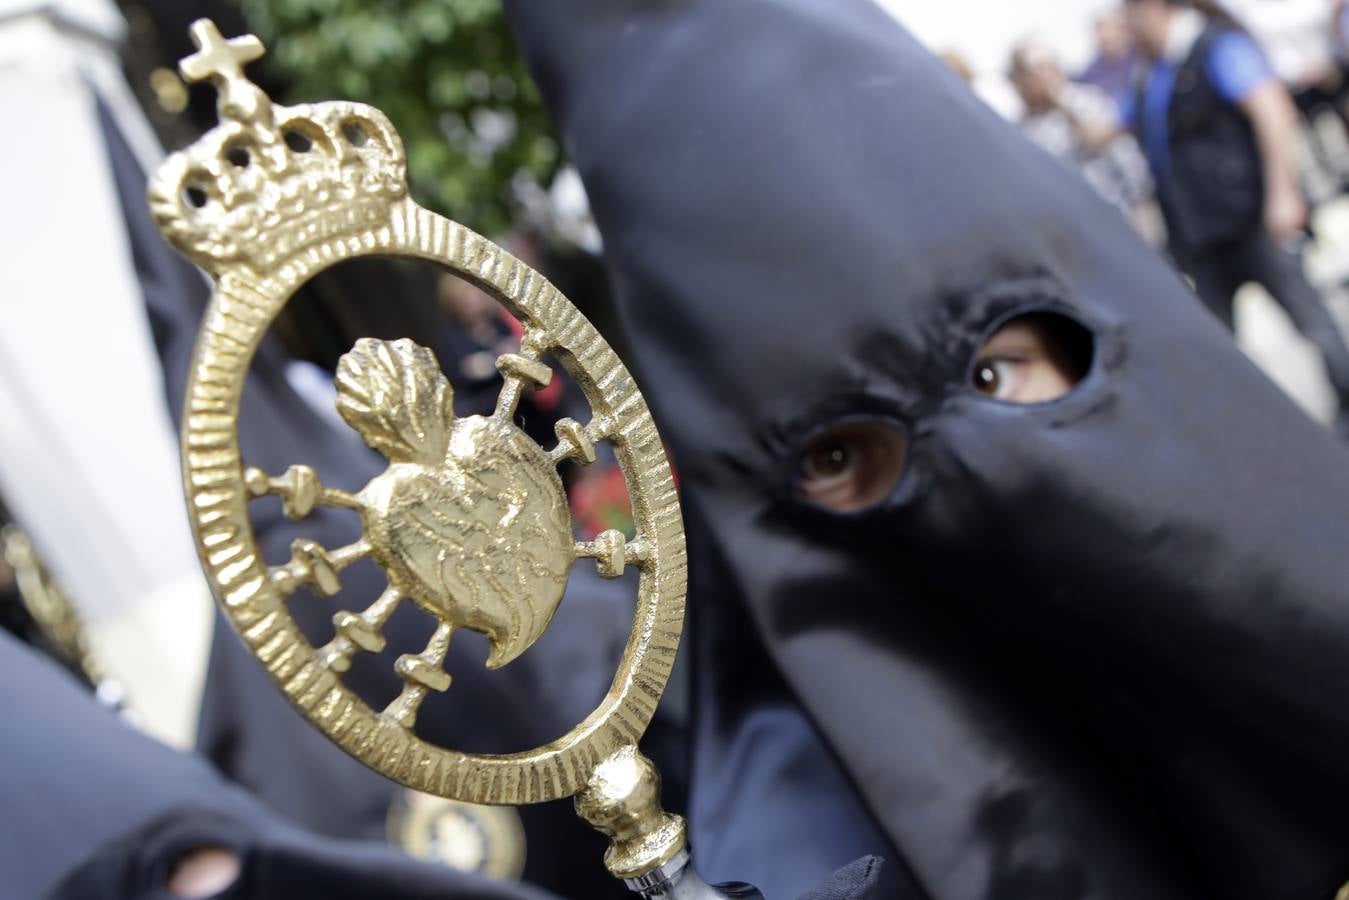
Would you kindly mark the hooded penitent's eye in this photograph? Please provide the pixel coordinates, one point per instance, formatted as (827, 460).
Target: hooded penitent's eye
(1033, 359)
(851, 466)
(998, 376)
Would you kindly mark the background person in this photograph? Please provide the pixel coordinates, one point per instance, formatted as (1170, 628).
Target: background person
(1079, 124)
(1218, 129)
(1115, 65)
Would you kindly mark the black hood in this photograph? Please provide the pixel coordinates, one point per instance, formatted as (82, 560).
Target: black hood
(1090, 648)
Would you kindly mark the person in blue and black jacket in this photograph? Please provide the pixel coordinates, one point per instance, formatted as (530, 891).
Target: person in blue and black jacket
(1218, 129)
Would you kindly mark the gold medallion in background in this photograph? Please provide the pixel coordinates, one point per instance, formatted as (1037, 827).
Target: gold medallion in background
(470, 837)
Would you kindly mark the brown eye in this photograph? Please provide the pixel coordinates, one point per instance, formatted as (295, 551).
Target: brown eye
(829, 461)
(1000, 378)
(986, 379)
(851, 467)
(1033, 359)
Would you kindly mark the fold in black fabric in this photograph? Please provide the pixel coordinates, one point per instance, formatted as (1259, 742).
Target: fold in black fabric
(272, 867)
(1093, 648)
(858, 881)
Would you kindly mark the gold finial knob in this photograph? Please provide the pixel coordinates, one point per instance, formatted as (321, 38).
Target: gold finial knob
(222, 61)
(622, 799)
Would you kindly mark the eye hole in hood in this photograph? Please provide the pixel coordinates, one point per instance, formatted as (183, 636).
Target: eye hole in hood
(852, 465)
(1033, 357)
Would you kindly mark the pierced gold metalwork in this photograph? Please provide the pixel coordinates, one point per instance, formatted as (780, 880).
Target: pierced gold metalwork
(469, 520)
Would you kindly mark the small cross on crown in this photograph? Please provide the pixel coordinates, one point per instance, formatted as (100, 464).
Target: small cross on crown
(222, 61)
(217, 56)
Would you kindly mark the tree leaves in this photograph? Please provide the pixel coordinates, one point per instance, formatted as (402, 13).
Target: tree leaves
(448, 75)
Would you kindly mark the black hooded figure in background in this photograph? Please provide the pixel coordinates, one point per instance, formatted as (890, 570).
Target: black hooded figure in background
(95, 810)
(1095, 646)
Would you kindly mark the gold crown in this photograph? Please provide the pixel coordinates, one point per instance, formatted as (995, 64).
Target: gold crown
(270, 181)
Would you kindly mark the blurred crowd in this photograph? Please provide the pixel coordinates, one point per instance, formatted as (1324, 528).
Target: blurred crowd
(1083, 115)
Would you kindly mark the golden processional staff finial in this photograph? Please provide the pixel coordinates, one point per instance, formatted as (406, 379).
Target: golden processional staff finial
(469, 521)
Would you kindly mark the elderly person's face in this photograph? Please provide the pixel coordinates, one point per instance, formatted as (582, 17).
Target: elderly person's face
(1037, 77)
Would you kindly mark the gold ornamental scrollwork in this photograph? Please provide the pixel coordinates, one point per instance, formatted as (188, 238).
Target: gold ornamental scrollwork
(469, 520)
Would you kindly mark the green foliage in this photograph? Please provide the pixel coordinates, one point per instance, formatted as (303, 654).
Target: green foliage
(445, 71)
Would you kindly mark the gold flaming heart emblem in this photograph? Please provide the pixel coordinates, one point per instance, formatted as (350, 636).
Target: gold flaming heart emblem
(470, 520)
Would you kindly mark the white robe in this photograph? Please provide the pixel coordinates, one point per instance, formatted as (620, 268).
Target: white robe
(89, 464)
